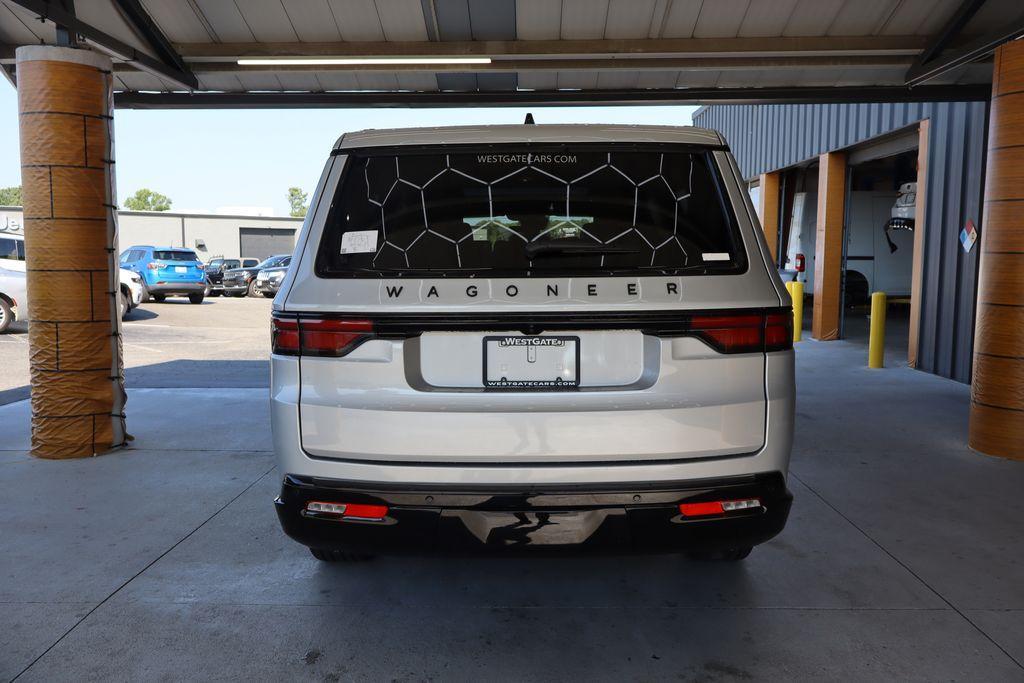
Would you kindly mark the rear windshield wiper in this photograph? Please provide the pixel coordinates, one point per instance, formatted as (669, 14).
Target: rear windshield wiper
(535, 249)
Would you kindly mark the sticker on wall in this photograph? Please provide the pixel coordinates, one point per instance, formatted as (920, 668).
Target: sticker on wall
(968, 236)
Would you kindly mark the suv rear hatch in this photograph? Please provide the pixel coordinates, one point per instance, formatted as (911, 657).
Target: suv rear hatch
(171, 265)
(569, 303)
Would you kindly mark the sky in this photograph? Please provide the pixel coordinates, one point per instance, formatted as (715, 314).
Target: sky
(205, 159)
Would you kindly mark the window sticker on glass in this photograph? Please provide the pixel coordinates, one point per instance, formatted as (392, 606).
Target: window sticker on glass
(359, 242)
(715, 256)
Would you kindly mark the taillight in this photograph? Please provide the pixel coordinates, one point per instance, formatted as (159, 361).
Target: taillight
(778, 331)
(744, 332)
(153, 266)
(332, 337)
(284, 336)
(729, 333)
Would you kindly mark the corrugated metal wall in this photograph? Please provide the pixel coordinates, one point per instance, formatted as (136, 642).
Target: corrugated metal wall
(770, 137)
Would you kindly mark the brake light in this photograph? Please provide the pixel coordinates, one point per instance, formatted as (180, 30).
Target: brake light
(333, 337)
(744, 332)
(153, 266)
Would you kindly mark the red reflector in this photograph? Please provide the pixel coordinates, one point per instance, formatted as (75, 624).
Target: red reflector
(363, 511)
(717, 507)
(701, 509)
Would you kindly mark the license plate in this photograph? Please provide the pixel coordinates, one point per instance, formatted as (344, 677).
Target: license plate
(529, 363)
(180, 269)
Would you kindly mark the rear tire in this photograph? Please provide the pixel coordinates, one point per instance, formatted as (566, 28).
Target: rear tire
(196, 298)
(159, 298)
(730, 555)
(326, 555)
(6, 316)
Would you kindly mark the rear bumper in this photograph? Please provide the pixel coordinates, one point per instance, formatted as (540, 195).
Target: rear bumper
(628, 518)
(176, 287)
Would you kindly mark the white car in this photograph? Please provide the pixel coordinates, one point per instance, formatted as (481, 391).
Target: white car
(13, 298)
(532, 338)
(12, 259)
(132, 291)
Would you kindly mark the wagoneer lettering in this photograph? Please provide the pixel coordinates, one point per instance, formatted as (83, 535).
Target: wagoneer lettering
(487, 324)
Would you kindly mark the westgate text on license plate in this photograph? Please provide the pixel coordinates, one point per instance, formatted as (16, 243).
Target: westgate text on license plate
(523, 362)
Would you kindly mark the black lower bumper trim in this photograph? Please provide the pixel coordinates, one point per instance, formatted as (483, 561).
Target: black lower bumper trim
(631, 518)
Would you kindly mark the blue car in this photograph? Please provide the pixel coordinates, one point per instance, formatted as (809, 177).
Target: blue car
(167, 271)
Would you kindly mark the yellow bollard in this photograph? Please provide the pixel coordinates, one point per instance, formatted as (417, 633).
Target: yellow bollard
(876, 342)
(796, 290)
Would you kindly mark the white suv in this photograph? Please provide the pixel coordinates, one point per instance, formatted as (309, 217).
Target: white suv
(532, 337)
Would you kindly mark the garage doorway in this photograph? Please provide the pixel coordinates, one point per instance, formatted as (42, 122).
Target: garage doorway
(263, 243)
(878, 253)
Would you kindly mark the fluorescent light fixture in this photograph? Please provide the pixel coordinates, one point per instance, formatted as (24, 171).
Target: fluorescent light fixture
(362, 61)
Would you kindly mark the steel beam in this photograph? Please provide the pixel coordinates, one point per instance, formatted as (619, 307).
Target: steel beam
(583, 49)
(54, 12)
(139, 18)
(975, 49)
(796, 95)
(956, 23)
(600, 64)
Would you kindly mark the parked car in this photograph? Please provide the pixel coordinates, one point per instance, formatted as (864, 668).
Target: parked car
(532, 338)
(13, 297)
(215, 268)
(242, 281)
(132, 291)
(12, 251)
(167, 271)
(268, 280)
(12, 258)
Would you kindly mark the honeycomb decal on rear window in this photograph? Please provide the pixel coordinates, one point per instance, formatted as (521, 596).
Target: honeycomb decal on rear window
(528, 212)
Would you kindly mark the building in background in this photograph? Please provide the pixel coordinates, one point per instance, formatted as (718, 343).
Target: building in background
(230, 236)
(826, 179)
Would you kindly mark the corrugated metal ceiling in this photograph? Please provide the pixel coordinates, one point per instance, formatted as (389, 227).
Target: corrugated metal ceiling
(295, 22)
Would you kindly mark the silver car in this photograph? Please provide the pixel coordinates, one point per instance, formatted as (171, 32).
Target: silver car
(532, 338)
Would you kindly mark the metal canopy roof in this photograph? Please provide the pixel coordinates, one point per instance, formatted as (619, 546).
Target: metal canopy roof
(186, 53)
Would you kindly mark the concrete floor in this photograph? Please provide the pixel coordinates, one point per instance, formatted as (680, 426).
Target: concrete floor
(222, 342)
(902, 560)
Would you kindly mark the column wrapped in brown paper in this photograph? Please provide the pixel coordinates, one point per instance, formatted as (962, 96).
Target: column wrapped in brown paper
(65, 111)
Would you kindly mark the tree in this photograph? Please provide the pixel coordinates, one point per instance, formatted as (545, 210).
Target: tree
(147, 200)
(297, 200)
(10, 196)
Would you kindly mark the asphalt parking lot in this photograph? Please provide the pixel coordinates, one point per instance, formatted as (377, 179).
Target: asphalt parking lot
(901, 561)
(223, 342)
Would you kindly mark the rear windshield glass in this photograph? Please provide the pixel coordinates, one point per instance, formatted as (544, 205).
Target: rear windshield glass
(175, 256)
(530, 211)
